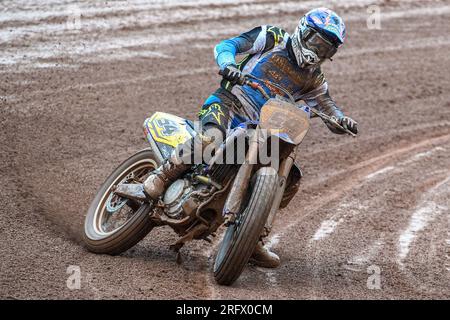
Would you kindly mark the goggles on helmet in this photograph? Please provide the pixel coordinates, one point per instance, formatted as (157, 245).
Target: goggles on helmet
(314, 41)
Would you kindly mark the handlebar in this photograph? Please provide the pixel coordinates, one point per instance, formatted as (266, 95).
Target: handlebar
(247, 80)
(331, 120)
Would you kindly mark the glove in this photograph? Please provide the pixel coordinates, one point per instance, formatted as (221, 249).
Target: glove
(347, 123)
(233, 74)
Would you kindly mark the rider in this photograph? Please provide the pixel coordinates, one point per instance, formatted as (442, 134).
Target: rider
(292, 61)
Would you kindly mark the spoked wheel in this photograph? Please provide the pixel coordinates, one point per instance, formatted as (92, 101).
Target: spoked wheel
(114, 224)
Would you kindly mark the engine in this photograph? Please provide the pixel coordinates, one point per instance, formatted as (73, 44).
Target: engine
(182, 198)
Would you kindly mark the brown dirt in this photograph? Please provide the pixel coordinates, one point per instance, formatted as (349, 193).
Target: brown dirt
(71, 108)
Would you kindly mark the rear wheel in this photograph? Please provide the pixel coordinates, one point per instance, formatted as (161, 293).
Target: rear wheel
(114, 224)
(241, 237)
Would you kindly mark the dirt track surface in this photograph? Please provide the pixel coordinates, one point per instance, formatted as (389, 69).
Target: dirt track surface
(72, 101)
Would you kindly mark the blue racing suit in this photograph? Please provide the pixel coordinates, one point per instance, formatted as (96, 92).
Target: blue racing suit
(268, 55)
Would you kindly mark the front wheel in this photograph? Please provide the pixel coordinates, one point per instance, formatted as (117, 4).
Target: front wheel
(114, 224)
(242, 236)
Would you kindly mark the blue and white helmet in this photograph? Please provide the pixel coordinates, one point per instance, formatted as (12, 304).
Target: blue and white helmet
(319, 34)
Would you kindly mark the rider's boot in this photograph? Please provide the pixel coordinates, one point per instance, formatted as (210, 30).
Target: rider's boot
(175, 166)
(161, 177)
(157, 181)
(262, 256)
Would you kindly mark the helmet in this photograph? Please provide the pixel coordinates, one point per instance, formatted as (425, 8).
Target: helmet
(319, 34)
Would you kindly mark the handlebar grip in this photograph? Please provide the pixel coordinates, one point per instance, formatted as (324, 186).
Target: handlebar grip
(346, 130)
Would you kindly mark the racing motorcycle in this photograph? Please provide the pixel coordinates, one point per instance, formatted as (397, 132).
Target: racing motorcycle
(243, 197)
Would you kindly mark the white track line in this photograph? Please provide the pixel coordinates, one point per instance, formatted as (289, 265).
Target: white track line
(406, 162)
(421, 155)
(379, 172)
(431, 205)
(344, 211)
(326, 228)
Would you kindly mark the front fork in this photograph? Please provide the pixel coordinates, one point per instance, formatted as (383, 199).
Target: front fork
(240, 185)
(241, 181)
(283, 173)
